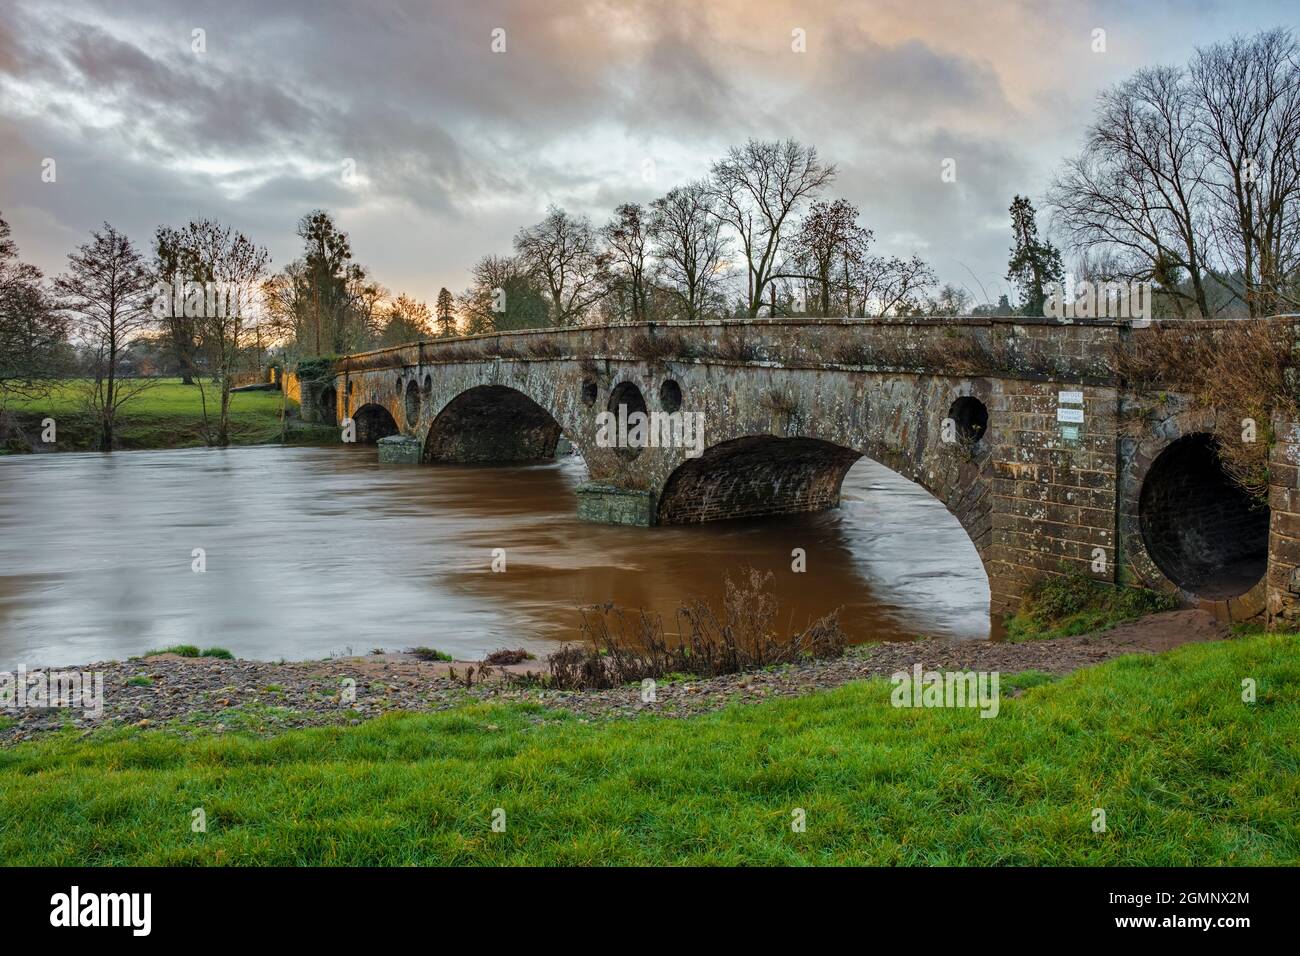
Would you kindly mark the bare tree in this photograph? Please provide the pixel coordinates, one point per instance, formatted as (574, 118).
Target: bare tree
(828, 247)
(1191, 179)
(180, 333)
(222, 272)
(561, 252)
(627, 243)
(1137, 186)
(1248, 117)
(690, 249)
(503, 295)
(758, 187)
(105, 292)
(892, 285)
(407, 321)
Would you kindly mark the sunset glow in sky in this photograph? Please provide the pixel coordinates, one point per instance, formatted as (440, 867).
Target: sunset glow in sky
(591, 104)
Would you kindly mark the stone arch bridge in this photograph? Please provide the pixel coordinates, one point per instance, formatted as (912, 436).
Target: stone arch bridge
(1022, 428)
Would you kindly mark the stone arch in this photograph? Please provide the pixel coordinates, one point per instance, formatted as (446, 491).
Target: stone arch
(767, 474)
(492, 423)
(1204, 532)
(373, 422)
(1174, 506)
(327, 405)
(755, 475)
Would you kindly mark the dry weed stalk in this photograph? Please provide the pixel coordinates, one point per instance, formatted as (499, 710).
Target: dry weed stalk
(621, 648)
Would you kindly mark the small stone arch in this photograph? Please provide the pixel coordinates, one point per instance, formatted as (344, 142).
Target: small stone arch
(373, 422)
(327, 405)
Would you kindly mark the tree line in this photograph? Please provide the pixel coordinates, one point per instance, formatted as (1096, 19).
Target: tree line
(1190, 179)
(754, 237)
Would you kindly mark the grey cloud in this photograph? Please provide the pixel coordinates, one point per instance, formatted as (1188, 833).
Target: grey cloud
(453, 140)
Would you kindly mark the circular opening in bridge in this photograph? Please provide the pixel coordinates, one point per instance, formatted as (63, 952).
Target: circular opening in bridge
(670, 396)
(1204, 532)
(624, 401)
(350, 384)
(398, 385)
(427, 389)
(971, 418)
(589, 390)
(412, 402)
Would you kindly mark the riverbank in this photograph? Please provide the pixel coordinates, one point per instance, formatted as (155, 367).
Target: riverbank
(189, 695)
(165, 415)
(1185, 771)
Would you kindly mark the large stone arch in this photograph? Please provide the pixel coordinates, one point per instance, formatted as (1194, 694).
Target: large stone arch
(492, 423)
(755, 475)
(788, 438)
(763, 475)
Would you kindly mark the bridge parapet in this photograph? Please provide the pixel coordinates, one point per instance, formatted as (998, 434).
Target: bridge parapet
(1075, 351)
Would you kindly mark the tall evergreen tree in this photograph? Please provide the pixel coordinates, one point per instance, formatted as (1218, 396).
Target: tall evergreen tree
(1034, 262)
(446, 313)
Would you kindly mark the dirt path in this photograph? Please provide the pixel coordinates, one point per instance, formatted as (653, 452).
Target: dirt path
(265, 697)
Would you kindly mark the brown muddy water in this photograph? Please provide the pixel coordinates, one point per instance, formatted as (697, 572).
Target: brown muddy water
(318, 551)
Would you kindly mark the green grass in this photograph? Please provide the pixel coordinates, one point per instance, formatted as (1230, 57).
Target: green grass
(428, 654)
(180, 650)
(1064, 605)
(192, 650)
(167, 415)
(1186, 772)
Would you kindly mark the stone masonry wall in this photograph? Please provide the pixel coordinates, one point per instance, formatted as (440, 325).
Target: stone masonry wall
(1054, 496)
(1283, 577)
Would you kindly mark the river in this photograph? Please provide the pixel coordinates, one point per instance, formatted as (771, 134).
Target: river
(317, 551)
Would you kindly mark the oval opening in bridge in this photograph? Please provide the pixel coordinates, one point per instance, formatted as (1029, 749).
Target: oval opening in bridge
(412, 403)
(589, 392)
(971, 418)
(1204, 532)
(670, 396)
(629, 397)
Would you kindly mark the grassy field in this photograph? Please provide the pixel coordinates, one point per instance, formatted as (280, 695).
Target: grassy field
(167, 415)
(1186, 772)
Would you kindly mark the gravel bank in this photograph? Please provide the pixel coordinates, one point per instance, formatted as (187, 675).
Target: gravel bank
(191, 694)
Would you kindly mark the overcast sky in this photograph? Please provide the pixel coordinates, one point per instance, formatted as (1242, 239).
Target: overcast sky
(591, 104)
